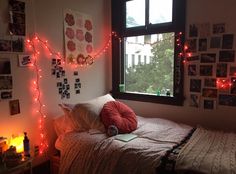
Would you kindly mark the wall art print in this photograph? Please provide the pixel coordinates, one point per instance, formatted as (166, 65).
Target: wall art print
(78, 34)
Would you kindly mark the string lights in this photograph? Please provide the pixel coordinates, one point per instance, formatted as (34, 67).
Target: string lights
(32, 45)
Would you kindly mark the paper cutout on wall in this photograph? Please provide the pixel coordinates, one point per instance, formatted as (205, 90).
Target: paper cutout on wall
(78, 34)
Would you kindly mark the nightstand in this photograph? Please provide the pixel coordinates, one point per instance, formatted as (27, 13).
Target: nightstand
(24, 165)
(55, 164)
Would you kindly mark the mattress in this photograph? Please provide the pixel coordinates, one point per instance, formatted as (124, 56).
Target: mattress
(95, 152)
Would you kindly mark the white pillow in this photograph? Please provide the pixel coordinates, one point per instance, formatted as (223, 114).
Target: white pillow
(89, 111)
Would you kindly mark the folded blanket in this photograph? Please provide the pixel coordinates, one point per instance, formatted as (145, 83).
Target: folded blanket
(208, 152)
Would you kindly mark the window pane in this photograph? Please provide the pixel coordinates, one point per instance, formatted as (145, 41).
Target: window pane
(149, 64)
(135, 13)
(160, 11)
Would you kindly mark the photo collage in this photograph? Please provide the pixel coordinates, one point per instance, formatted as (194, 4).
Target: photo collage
(14, 42)
(211, 68)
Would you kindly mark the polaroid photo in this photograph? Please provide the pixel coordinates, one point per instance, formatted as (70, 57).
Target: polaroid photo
(206, 70)
(193, 30)
(194, 100)
(193, 58)
(5, 82)
(77, 80)
(202, 45)
(192, 70)
(58, 61)
(209, 104)
(59, 84)
(76, 73)
(233, 85)
(77, 91)
(76, 85)
(221, 70)
(58, 74)
(67, 87)
(215, 42)
(18, 45)
(25, 60)
(63, 73)
(210, 82)
(18, 18)
(14, 106)
(228, 40)
(192, 45)
(60, 90)
(227, 56)
(232, 71)
(6, 95)
(17, 6)
(5, 66)
(79, 85)
(54, 62)
(53, 72)
(209, 92)
(68, 95)
(204, 29)
(65, 81)
(5, 45)
(63, 96)
(195, 85)
(208, 58)
(218, 28)
(227, 100)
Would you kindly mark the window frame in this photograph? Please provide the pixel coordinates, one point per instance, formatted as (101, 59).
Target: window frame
(119, 26)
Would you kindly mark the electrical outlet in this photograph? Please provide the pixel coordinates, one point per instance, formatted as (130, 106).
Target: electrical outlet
(36, 150)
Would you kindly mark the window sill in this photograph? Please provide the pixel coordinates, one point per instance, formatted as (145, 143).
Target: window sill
(178, 101)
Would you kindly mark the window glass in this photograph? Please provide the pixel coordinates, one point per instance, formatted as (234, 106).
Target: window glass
(160, 11)
(135, 13)
(149, 68)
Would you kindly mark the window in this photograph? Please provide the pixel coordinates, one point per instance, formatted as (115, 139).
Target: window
(146, 61)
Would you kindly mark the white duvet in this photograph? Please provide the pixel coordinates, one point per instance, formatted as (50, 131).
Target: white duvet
(95, 153)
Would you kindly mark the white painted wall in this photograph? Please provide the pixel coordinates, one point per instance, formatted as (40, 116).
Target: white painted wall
(46, 18)
(198, 11)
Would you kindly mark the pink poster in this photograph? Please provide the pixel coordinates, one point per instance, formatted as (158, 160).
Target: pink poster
(78, 33)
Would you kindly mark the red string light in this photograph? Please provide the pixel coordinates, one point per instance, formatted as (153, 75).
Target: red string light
(223, 84)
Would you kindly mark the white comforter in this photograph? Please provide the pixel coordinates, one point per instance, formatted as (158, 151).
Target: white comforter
(95, 153)
(208, 152)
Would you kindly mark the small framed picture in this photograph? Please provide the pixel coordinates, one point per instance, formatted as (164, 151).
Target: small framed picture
(18, 45)
(221, 70)
(195, 85)
(227, 56)
(218, 28)
(208, 58)
(65, 81)
(25, 60)
(5, 82)
(5, 45)
(54, 61)
(210, 82)
(209, 104)
(76, 73)
(5, 66)
(77, 91)
(193, 30)
(6, 95)
(206, 70)
(215, 42)
(202, 45)
(193, 58)
(14, 107)
(209, 92)
(192, 70)
(77, 80)
(232, 71)
(228, 40)
(194, 100)
(227, 100)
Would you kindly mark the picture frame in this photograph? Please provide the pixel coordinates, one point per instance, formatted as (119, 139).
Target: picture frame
(25, 60)
(194, 100)
(209, 92)
(14, 106)
(206, 70)
(195, 85)
(221, 70)
(209, 104)
(5, 66)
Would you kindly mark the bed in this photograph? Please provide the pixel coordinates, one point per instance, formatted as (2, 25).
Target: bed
(161, 146)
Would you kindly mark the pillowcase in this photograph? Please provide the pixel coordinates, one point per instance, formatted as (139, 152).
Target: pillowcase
(84, 116)
(89, 111)
(62, 125)
(119, 115)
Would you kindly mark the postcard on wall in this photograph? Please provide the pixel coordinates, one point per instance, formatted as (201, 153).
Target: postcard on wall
(25, 60)
(192, 70)
(202, 45)
(193, 30)
(209, 92)
(228, 40)
(5, 82)
(204, 29)
(194, 100)
(78, 31)
(5, 66)
(227, 56)
(195, 85)
(5, 45)
(210, 82)
(215, 42)
(206, 70)
(14, 106)
(232, 71)
(209, 104)
(227, 100)
(221, 70)
(208, 58)
(218, 28)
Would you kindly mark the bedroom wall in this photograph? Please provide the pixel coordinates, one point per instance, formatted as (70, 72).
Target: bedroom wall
(46, 19)
(223, 117)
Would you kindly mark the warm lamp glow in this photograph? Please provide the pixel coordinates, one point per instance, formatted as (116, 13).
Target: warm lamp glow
(17, 141)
